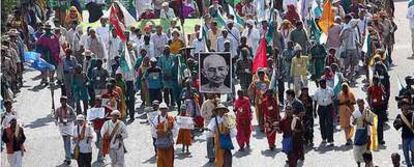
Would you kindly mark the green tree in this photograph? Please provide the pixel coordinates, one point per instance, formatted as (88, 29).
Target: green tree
(7, 7)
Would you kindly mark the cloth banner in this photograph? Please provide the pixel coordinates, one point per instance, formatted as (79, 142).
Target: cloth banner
(185, 122)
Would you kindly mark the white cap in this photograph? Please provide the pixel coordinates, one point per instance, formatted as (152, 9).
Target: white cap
(297, 47)
(80, 117)
(251, 22)
(116, 112)
(163, 106)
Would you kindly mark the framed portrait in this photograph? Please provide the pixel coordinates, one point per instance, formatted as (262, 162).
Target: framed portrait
(215, 72)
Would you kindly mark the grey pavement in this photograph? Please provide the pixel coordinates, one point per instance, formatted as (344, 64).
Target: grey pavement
(45, 147)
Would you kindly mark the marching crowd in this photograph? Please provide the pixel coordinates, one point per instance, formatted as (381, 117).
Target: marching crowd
(100, 70)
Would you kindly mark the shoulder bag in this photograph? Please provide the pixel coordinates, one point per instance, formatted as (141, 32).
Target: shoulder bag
(164, 142)
(225, 139)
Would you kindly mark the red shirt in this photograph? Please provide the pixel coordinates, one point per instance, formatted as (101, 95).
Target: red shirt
(376, 94)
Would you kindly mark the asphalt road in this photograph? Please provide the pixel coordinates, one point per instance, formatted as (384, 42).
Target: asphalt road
(45, 146)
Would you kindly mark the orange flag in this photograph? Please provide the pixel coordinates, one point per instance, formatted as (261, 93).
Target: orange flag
(327, 18)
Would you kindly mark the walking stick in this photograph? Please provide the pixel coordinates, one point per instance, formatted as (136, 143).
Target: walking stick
(52, 92)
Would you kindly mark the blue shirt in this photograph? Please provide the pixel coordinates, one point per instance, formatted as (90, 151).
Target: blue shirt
(153, 76)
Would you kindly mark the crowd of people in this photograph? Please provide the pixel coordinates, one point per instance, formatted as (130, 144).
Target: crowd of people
(100, 73)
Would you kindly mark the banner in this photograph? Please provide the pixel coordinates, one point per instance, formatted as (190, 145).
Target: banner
(185, 122)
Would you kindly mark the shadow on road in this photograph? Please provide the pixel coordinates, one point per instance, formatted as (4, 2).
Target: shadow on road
(208, 164)
(152, 160)
(37, 88)
(39, 122)
(270, 153)
(242, 153)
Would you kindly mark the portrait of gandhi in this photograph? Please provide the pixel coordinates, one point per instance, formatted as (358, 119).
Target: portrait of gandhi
(215, 71)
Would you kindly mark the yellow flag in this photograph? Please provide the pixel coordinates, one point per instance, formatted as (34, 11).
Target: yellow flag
(327, 18)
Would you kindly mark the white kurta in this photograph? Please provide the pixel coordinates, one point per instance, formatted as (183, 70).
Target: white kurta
(252, 39)
(104, 33)
(108, 126)
(85, 145)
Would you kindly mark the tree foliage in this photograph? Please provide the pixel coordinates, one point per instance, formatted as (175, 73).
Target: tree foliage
(7, 7)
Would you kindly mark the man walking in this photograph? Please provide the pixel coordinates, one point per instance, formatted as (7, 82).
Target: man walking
(324, 100)
(64, 118)
(114, 133)
(14, 138)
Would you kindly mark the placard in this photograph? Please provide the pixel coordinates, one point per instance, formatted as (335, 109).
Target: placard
(94, 113)
(185, 122)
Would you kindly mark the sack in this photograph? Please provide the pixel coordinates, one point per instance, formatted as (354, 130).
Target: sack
(224, 139)
(225, 142)
(76, 152)
(287, 144)
(361, 137)
(165, 142)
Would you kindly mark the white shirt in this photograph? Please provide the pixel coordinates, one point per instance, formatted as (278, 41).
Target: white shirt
(114, 46)
(138, 41)
(83, 39)
(410, 16)
(155, 122)
(149, 48)
(70, 35)
(169, 14)
(220, 45)
(108, 126)
(85, 145)
(199, 46)
(323, 97)
(159, 42)
(212, 127)
(252, 39)
(103, 32)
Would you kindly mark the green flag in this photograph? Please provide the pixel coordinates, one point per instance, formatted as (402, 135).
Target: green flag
(125, 63)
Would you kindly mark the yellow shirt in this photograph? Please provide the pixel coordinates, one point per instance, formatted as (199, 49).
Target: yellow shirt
(299, 66)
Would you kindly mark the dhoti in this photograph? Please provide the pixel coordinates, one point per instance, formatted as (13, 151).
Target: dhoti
(165, 157)
(117, 157)
(15, 159)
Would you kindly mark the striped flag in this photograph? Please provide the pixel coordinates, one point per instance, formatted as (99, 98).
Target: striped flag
(337, 85)
(120, 18)
(203, 34)
(238, 20)
(125, 63)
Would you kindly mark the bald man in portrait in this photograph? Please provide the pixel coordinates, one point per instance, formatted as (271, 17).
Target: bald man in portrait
(215, 70)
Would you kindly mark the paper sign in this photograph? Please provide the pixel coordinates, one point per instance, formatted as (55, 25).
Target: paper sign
(185, 122)
(94, 113)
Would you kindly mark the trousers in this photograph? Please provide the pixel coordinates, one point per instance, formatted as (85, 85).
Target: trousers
(85, 159)
(210, 148)
(326, 122)
(408, 149)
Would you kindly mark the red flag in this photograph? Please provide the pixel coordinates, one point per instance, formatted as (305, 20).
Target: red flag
(116, 22)
(260, 59)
